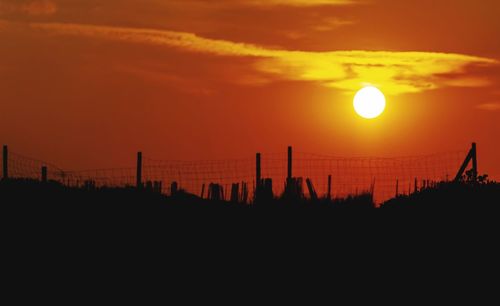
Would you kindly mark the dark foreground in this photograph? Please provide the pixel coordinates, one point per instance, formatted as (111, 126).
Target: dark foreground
(52, 199)
(118, 232)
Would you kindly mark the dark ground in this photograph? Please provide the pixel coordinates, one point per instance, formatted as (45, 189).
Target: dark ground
(52, 201)
(123, 238)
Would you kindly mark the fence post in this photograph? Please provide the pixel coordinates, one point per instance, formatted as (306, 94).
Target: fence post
(289, 176)
(312, 191)
(5, 162)
(474, 161)
(139, 170)
(258, 173)
(44, 174)
(235, 193)
(471, 156)
(174, 188)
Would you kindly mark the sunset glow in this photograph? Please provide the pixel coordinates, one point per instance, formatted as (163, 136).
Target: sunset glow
(85, 83)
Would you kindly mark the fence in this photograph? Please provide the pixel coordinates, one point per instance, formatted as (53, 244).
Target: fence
(349, 176)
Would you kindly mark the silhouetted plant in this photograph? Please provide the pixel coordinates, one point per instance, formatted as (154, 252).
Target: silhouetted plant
(470, 178)
(483, 179)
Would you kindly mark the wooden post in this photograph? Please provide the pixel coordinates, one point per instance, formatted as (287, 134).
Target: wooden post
(474, 161)
(329, 194)
(202, 191)
(312, 192)
(258, 173)
(472, 156)
(139, 170)
(44, 174)
(5, 162)
(174, 188)
(416, 186)
(289, 163)
(235, 193)
(244, 193)
(268, 193)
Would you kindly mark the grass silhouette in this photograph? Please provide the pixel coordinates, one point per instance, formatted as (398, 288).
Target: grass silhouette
(444, 196)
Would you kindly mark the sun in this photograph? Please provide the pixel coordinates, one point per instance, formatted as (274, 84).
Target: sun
(369, 102)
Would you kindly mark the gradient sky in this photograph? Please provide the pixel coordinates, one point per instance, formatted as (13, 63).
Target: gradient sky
(86, 83)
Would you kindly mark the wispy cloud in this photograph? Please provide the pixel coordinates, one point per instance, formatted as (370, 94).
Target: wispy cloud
(33, 8)
(489, 107)
(271, 3)
(329, 24)
(40, 7)
(299, 2)
(394, 72)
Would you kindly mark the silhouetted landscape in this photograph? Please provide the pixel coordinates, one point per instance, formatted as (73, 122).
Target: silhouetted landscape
(468, 191)
(51, 195)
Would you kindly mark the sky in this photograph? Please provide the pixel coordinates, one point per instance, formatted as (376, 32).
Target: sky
(87, 83)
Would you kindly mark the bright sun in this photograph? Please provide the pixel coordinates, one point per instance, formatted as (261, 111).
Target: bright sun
(369, 102)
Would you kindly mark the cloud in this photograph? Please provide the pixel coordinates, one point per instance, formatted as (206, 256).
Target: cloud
(489, 107)
(394, 72)
(193, 87)
(299, 2)
(40, 7)
(329, 24)
(33, 8)
(270, 3)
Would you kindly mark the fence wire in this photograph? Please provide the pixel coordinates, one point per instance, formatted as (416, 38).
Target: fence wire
(350, 176)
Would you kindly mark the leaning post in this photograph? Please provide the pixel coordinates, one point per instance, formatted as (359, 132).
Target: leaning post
(474, 161)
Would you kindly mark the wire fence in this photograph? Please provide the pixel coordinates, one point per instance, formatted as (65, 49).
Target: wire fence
(349, 176)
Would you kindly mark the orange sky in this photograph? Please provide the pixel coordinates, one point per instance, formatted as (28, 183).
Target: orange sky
(86, 83)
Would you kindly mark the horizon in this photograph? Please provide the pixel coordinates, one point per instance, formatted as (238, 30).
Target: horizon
(326, 176)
